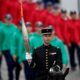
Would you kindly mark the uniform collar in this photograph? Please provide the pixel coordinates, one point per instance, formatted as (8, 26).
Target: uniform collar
(47, 46)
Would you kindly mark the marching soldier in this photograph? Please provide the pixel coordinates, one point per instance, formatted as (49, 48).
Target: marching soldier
(19, 51)
(22, 53)
(8, 30)
(74, 42)
(29, 28)
(58, 43)
(54, 20)
(48, 11)
(45, 56)
(36, 41)
(38, 11)
(1, 28)
(15, 46)
(63, 25)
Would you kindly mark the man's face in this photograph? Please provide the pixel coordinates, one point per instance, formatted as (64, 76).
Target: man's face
(29, 0)
(47, 38)
(56, 11)
(64, 15)
(50, 8)
(22, 1)
(38, 29)
(20, 27)
(74, 16)
(40, 6)
(29, 28)
(8, 21)
(79, 15)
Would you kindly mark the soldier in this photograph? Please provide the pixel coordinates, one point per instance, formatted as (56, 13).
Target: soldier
(64, 14)
(15, 47)
(45, 56)
(54, 19)
(38, 11)
(79, 38)
(7, 32)
(31, 7)
(63, 25)
(37, 41)
(1, 28)
(29, 27)
(58, 43)
(73, 40)
(22, 53)
(49, 11)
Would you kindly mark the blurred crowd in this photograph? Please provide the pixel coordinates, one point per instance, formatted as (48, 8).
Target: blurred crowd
(66, 25)
(52, 14)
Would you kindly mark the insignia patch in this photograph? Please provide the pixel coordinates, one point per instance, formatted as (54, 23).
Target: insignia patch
(53, 53)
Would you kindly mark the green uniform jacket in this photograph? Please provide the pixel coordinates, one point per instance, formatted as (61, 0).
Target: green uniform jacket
(18, 47)
(36, 41)
(7, 33)
(58, 43)
(1, 35)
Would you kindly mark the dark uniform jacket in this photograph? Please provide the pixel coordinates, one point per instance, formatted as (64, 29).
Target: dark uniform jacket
(44, 57)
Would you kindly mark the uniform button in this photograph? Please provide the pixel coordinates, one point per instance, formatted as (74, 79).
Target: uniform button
(46, 60)
(46, 52)
(46, 49)
(46, 67)
(46, 63)
(46, 57)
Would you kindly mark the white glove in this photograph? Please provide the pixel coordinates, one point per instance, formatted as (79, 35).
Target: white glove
(28, 57)
(65, 67)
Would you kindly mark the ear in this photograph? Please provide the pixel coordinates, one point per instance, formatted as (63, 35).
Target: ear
(53, 32)
(66, 72)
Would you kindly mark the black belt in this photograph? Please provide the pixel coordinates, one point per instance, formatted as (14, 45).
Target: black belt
(40, 73)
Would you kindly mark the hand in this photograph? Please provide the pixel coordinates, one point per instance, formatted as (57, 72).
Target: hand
(28, 57)
(69, 44)
(65, 67)
(79, 44)
(0, 53)
(21, 64)
(14, 58)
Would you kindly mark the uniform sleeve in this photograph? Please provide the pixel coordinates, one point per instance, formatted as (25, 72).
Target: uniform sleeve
(1, 40)
(13, 45)
(58, 31)
(20, 51)
(67, 33)
(64, 53)
(59, 58)
(31, 45)
(34, 59)
(33, 20)
(76, 35)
